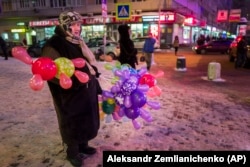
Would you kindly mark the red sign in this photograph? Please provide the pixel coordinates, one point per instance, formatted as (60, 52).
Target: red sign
(43, 23)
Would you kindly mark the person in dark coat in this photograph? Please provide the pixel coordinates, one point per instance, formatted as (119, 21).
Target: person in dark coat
(77, 107)
(241, 52)
(4, 48)
(127, 50)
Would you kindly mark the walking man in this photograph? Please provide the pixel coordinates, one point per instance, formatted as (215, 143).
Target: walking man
(148, 49)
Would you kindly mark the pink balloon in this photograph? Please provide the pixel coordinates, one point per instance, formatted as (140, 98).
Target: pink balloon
(36, 82)
(116, 116)
(21, 53)
(65, 81)
(159, 74)
(78, 62)
(151, 93)
(81, 76)
(157, 90)
(154, 105)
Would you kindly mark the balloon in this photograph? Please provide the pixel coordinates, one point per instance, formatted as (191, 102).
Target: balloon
(127, 102)
(81, 76)
(157, 90)
(142, 71)
(107, 94)
(121, 112)
(132, 113)
(110, 101)
(154, 105)
(108, 66)
(144, 114)
(143, 88)
(136, 124)
(36, 82)
(45, 67)
(138, 98)
(21, 53)
(116, 116)
(148, 79)
(65, 81)
(108, 118)
(65, 66)
(118, 73)
(108, 108)
(128, 86)
(78, 62)
(126, 73)
(159, 74)
(117, 64)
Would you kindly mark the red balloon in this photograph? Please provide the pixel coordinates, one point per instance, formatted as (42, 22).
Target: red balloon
(45, 67)
(82, 76)
(147, 79)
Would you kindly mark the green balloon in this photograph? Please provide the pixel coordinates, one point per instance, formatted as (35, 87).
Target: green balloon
(108, 108)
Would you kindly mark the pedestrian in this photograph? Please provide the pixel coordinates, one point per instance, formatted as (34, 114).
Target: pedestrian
(127, 50)
(4, 48)
(24, 42)
(77, 107)
(148, 50)
(176, 44)
(241, 54)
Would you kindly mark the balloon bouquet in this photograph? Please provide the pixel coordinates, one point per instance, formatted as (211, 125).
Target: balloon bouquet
(128, 95)
(44, 68)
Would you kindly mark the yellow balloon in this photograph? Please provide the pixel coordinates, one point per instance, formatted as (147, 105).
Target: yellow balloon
(64, 65)
(110, 101)
(108, 66)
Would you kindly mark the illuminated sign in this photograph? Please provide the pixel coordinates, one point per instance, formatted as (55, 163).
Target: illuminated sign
(167, 17)
(43, 23)
(18, 30)
(189, 20)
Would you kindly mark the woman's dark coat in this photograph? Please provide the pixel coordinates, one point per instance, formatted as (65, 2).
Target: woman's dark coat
(77, 108)
(127, 50)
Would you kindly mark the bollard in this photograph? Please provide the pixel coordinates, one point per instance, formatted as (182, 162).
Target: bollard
(181, 64)
(214, 70)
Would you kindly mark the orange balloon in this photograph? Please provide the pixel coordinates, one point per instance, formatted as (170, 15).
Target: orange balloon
(108, 58)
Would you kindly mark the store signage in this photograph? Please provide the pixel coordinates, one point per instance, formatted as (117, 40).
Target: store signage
(167, 17)
(122, 11)
(99, 20)
(104, 8)
(234, 15)
(43, 23)
(18, 30)
(222, 15)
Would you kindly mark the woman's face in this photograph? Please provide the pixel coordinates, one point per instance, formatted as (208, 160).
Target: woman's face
(76, 28)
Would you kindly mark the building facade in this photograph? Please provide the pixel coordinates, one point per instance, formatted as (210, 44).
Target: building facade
(164, 18)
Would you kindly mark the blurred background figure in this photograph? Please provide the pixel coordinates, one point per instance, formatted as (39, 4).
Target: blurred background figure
(4, 48)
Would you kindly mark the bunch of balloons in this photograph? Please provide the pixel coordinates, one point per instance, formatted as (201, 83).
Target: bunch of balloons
(128, 95)
(44, 68)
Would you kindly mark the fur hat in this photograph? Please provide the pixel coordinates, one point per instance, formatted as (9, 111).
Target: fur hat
(67, 18)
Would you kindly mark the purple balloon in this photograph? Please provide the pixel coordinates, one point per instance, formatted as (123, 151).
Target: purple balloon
(138, 98)
(121, 112)
(107, 94)
(128, 86)
(127, 102)
(144, 114)
(136, 124)
(154, 105)
(143, 88)
(142, 71)
(132, 113)
(118, 73)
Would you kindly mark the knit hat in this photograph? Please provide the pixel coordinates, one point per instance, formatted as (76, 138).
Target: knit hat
(67, 18)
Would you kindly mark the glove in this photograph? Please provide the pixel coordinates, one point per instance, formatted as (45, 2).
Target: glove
(97, 74)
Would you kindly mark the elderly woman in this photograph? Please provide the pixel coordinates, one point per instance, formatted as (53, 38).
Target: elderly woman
(77, 107)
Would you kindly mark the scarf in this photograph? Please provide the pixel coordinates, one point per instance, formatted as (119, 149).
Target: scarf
(87, 53)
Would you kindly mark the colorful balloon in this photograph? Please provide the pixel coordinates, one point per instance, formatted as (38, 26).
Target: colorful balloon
(45, 67)
(79, 62)
(138, 99)
(21, 53)
(65, 66)
(148, 79)
(132, 113)
(36, 82)
(65, 81)
(81, 76)
(108, 108)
